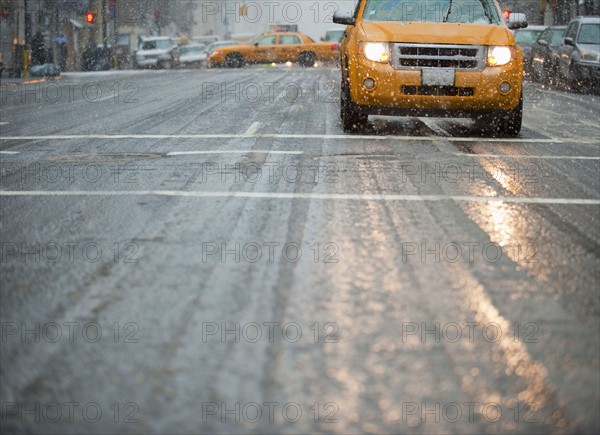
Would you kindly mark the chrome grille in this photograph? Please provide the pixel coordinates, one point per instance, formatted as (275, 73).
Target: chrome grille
(460, 57)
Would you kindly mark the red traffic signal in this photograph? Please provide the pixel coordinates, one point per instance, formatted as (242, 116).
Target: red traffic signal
(506, 13)
(90, 17)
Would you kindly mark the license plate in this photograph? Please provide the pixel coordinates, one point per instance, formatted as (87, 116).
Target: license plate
(437, 77)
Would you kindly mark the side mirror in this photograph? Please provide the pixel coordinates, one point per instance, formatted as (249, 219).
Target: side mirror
(344, 18)
(542, 42)
(517, 20)
(569, 41)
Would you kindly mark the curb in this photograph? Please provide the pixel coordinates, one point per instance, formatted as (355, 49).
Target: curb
(29, 82)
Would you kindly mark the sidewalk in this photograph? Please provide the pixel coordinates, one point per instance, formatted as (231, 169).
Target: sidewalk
(12, 82)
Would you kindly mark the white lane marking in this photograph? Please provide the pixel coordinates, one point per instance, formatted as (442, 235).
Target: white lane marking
(492, 156)
(537, 130)
(76, 74)
(104, 99)
(302, 195)
(253, 128)
(589, 124)
(435, 127)
(191, 153)
(290, 136)
(3, 123)
(522, 156)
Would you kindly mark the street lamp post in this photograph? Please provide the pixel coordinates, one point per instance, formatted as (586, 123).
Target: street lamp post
(104, 25)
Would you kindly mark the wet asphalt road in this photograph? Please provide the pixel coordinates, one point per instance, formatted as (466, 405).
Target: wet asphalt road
(208, 252)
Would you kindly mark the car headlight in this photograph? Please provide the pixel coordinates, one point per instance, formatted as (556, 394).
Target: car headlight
(500, 55)
(376, 51)
(588, 55)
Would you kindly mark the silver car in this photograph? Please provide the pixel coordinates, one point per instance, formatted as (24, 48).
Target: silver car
(157, 52)
(192, 55)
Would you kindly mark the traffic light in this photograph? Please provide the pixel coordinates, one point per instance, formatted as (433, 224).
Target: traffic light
(506, 13)
(90, 17)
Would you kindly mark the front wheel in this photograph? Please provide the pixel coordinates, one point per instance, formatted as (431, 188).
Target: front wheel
(234, 60)
(577, 83)
(538, 73)
(352, 118)
(307, 59)
(166, 64)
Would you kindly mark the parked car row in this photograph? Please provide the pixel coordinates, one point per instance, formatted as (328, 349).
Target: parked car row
(164, 51)
(196, 55)
(567, 55)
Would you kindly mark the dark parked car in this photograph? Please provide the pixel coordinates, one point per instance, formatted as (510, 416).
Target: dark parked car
(45, 70)
(579, 54)
(526, 38)
(544, 54)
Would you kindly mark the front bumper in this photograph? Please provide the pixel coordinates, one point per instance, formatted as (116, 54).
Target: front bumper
(191, 63)
(587, 71)
(147, 62)
(214, 61)
(401, 91)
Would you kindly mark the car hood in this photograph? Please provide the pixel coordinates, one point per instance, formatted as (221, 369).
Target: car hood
(594, 48)
(440, 33)
(153, 52)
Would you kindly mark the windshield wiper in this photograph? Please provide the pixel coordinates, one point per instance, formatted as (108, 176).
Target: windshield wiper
(486, 11)
(448, 13)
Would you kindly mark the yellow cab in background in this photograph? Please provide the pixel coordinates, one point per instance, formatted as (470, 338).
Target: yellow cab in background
(429, 58)
(275, 47)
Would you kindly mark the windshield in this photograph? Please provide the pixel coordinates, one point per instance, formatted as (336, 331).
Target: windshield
(432, 11)
(156, 44)
(527, 37)
(589, 34)
(557, 36)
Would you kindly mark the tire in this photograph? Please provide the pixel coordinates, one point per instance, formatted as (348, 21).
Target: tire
(537, 75)
(554, 75)
(502, 124)
(352, 118)
(234, 60)
(577, 83)
(545, 74)
(307, 59)
(166, 64)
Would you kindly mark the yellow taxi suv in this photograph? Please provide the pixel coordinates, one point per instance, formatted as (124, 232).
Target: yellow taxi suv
(275, 47)
(448, 58)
